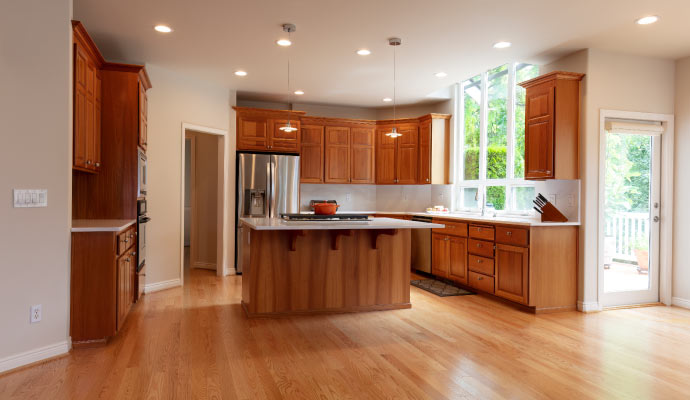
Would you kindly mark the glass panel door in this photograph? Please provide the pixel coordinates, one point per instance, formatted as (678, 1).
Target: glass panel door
(630, 262)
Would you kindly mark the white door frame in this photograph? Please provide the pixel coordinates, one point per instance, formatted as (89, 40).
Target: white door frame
(222, 227)
(666, 208)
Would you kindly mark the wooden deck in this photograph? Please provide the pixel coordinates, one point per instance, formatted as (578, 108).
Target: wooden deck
(196, 342)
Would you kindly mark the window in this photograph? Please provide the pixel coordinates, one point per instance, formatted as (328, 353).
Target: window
(492, 140)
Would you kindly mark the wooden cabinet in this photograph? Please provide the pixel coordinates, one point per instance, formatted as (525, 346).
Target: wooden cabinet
(143, 117)
(87, 103)
(512, 273)
(337, 155)
(362, 149)
(311, 154)
(457, 263)
(434, 149)
(440, 255)
(397, 157)
(102, 283)
(552, 118)
(259, 130)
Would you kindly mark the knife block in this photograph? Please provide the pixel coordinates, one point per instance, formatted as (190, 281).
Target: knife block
(551, 214)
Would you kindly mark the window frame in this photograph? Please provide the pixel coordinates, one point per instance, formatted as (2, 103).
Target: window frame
(510, 181)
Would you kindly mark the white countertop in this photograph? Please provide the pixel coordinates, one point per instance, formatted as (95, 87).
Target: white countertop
(277, 224)
(101, 225)
(501, 219)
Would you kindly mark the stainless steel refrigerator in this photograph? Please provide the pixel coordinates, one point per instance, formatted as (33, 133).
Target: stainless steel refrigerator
(267, 186)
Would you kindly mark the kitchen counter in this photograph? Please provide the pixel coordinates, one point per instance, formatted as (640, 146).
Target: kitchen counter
(277, 224)
(101, 225)
(512, 220)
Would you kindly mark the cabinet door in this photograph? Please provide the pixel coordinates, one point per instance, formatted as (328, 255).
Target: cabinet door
(512, 273)
(143, 117)
(539, 132)
(425, 153)
(311, 154)
(281, 140)
(337, 155)
(385, 157)
(407, 156)
(457, 268)
(79, 145)
(122, 275)
(362, 163)
(440, 255)
(252, 133)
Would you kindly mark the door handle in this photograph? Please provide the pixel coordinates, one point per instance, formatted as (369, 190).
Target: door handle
(656, 218)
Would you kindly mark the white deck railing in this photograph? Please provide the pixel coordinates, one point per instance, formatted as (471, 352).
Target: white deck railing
(624, 229)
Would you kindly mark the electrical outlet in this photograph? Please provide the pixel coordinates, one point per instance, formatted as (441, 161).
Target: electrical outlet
(35, 314)
(347, 197)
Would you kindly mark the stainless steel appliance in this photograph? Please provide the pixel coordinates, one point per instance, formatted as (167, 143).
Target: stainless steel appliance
(141, 187)
(142, 221)
(421, 246)
(267, 186)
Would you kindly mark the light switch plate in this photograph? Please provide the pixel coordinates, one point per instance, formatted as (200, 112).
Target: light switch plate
(30, 198)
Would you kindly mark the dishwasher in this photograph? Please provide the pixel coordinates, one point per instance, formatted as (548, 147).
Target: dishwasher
(421, 246)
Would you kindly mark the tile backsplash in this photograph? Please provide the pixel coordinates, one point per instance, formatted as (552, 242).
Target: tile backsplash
(378, 197)
(350, 197)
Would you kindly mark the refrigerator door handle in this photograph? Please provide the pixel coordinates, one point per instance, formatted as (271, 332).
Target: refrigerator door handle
(271, 187)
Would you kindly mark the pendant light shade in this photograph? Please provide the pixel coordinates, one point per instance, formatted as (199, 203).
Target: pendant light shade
(289, 28)
(395, 42)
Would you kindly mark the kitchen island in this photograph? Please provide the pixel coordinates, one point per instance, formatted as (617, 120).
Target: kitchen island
(318, 267)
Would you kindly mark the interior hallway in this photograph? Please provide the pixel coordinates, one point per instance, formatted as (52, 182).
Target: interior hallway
(195, 342)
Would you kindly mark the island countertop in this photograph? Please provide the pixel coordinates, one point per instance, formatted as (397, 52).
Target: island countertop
(277, 224)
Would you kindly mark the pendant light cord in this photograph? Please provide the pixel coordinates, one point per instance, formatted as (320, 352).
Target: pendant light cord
(288, 81)
(394, 100)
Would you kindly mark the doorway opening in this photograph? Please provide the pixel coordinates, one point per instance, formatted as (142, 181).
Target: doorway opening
(203, 200)
(632, 251)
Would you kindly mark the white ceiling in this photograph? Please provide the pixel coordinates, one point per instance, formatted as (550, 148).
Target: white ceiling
(213, 38)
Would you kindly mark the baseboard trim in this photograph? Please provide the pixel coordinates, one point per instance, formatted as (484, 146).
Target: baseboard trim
(158, 286)
(34, 356)
(229, 272)
(684, 303)
(588, 306)
(204, 265)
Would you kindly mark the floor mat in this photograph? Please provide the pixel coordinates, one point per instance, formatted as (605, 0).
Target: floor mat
(439, 288)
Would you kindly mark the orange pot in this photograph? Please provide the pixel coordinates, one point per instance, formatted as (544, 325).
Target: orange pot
(325, 208)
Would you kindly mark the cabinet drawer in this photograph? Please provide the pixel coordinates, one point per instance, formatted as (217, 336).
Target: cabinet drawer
(482, 265)
(481, 282)
(482, 232)
(451, 227)
(125, 240)
(514, 236)
(481, 247)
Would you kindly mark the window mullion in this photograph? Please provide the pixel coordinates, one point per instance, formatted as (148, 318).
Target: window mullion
(460, 128)
(510, 147)
(483, 121)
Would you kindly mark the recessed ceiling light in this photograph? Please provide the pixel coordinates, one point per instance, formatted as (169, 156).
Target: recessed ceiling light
(650, 19)
(241, 73)
(387, 99)
(163, 28)
(283, 42)
(299, 92)
(440, 75)
(363, 52)
(502, 45)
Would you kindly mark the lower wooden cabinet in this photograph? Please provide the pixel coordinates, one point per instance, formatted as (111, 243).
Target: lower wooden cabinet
(512, 273)
(440, 255)
(102, 284)
(449, 257)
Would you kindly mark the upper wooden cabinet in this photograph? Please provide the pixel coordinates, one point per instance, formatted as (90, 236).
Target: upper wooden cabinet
(143, 116)
(397, 157)
(362, 162)
(87, 102)
(434, 149)
(259, 130)
(552, 126)
(311, 154)
(337, 155)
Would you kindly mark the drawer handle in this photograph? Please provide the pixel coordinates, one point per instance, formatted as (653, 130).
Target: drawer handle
(126, 240)
(509, 233)
(479, 261)
(479, 245)
(479, 229)
(479, 278)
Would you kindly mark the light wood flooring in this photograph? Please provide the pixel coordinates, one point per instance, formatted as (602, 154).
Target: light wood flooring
(195, 342)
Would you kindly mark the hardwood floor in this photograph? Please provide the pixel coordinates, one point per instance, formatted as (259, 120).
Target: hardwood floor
(195, 342)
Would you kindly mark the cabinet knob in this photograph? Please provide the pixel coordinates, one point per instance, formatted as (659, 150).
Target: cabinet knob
(479, 229)
(479, 245)
(127, 259)
(98, 164)
(509, 233)
(134, 253)
(479, 278)
(126, 240)
(479, 261)
(88, 162)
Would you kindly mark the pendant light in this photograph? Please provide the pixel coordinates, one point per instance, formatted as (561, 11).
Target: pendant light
(395, 42)
(289, 28)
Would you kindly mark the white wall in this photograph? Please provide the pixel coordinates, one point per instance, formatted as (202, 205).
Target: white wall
(618, 82)
(35, 110)
(175, 99)
(681, 213)
(415, 110)
(315, 110)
